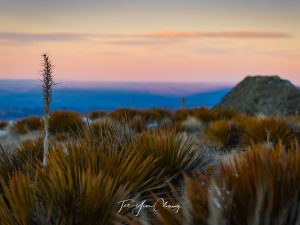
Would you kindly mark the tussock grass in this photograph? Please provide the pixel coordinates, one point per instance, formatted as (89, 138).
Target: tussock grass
(269, 131)
(225, 133)
(109, 160)
(24, 159)
(192, 125)
(269, 180)
(17, 203)
(20, 128)
(96, 115)
(205, 115)
(109, 133)
(149, 115)
(30, 150)
(86, 177)
(80, 177)
(65, 122)
(260, 186)
(244, 131)
(77, 196)
(174, 154)
(3, 124)
(33, 123)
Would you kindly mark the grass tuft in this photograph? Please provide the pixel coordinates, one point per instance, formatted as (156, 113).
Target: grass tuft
(269, 131)
(3, 124)
(226, 134)
(65, 122)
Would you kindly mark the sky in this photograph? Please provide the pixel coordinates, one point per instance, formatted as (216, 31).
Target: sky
(157, 40)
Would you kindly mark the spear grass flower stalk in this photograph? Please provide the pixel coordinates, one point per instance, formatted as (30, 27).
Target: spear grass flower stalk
(47, 85)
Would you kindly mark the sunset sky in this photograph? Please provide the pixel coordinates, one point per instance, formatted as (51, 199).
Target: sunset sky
(143, 40)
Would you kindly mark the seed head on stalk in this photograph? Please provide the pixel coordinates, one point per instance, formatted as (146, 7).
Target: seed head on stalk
(47, 82)
(47, 85)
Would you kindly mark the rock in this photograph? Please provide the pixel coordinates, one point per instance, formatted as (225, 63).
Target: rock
(267, 95)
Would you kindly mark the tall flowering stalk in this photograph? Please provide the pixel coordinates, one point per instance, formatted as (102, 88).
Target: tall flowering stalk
(47, 85)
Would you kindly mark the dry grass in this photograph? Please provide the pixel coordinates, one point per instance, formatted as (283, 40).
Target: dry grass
(174, 154)
(261, 186)
(3, 124)
(84, 179)
(225, 133)
(192, 125)
(269, 131)
(33, 123)
(135, 154)
(96, 115)
(205, 115)
(20, 128)
(110, 160)
(268, 181)
(145, 116)
(17, 203)
(65, 122)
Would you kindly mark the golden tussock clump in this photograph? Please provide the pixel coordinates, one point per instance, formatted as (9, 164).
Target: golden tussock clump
(225, 133)
(261, 186)
(270, 131)
(65, 122)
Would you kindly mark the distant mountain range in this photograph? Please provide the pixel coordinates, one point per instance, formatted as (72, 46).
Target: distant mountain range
(21, 98)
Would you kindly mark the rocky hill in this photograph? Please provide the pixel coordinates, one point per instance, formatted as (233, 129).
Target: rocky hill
(268, 95)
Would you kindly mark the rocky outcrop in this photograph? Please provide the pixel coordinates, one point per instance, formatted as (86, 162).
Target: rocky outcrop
(268, 95)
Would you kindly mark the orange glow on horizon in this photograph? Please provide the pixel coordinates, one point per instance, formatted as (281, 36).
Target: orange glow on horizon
(151, 41)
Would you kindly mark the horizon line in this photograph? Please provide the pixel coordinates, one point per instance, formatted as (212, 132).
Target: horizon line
(126, 81)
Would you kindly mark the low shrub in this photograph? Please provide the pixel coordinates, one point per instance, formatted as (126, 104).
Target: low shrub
(96, 115)
(65, 122)
(3, 124)
(124, 114)
(157, 115)
(33, 123)
(225, 113)
(140, 118)
(182, 114)
(20, 128)
(206, 115)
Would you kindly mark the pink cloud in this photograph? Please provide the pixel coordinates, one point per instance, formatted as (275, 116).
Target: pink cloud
(221, 34)
(136, 38)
